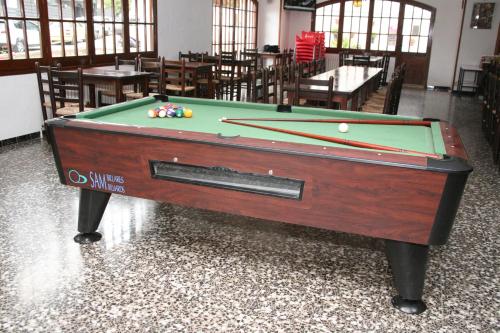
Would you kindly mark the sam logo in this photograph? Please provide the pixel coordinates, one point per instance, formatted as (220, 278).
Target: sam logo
(76, 178)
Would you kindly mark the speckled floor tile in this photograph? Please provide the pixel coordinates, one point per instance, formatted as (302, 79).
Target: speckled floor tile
(165, 268)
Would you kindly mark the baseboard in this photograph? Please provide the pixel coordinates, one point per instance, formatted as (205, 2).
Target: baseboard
(19, 139)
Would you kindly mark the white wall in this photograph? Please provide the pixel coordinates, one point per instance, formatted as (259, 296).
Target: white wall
(445, 37)
(269, 23)
(477, 42)
(184, 25)
(20, 111)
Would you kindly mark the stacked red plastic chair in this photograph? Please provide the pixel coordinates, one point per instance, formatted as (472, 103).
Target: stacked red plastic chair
(310, 46)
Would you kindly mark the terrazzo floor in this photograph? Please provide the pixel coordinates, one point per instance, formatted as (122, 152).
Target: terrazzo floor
(165, 268)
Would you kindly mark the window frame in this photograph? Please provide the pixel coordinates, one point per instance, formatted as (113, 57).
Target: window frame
(399, 37)
(26, 66)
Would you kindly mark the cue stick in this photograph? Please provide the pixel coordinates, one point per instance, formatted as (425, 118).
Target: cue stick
(347, 121)
(358, 144)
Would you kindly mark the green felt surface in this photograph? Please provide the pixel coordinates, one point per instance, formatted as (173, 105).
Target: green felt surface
(206, 115)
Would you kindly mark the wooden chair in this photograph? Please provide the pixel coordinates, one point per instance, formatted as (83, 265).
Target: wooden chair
(66, 88)
(216, 82)
(256, 91)
(385, 69)
(143, 60)
(44, 90)
(358, 60)
(156, 81)
(132, 90)
(342, 56)
(177, 80)
(271, 85)
(391, 100)
(302, 94)
(228, 76)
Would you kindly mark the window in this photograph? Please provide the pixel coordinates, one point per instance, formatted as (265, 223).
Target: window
(74, 32)
(19, 30)
(68, 28)
(328, 20)
(388, 23)
(234, 25)
(355, 25)
(385, 25)
(416, 29)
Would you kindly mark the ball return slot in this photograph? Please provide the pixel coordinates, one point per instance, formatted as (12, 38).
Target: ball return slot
(221, 177)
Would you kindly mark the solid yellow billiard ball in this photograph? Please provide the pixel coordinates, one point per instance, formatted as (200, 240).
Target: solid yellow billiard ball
(188, 113)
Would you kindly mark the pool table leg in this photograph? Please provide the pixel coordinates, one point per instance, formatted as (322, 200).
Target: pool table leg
(408, 262)
(92, 206)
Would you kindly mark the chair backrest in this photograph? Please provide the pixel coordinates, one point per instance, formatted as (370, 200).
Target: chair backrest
(303, 84)
(359, 60)
(66, 86)
(392, 97)
(215, 60)
(270, 84)
(175, 74)
(257, 80)
(128, 62)
(385, 70)
(227, 64)
(252, 54)
(143, 60)
(156, 79)
(43, 85)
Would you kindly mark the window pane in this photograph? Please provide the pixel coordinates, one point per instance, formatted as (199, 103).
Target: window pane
(376, 26)
(133, 37)
(141, 38)
(67, 9)
(119, 39)
(393, 27)
(319, 23)
(422, 45)
(149, 13)
(149, 37)
(391, 44)
(31, 8)
(80, 13)
(415, 28)
(355, 24)
(141, 15)
(336, 9)
(108, 11)
(33, 33)
(345, 40)
(118, 11)
(386, 9)
(374, 42)
(97, 10)
(54, 9)
(14, 8)
(110, 43)
(395, 9)
(385, 26)
(99, 38)
(347, 24)
(377, 10)
(426, 24)
(319, 11)
(361, 41)
(4, 50)
(405, 44)
(17, 42)
(408, 11)
(132, 11)
(69, 39)
(81, 37)
(426, 14)
(383, 42)
(413, 44)
(407, 26)
(2, 9)
(417, 13)
(55, 39)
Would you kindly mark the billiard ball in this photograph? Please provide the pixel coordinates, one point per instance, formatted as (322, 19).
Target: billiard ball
(162, 113)
(151, 114)
(170, 113)
(188, 113)
(179, 113)
(343, 127)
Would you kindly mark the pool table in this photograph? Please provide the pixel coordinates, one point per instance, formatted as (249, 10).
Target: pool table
(407, 199)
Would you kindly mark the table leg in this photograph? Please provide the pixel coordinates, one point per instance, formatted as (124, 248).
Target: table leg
(92, 98)
(238, 89)
(92, 207)
(408, 263)
(195, 82)
(355, 101)
(119, 91)
(145, 87)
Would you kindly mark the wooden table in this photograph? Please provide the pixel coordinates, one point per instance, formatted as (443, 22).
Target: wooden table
(198, 70)
(374, 61)
(472, 85)
(351, 87)
(117, 78)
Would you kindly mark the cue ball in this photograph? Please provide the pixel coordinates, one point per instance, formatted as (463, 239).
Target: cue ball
(343, 127)
(151, 114)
